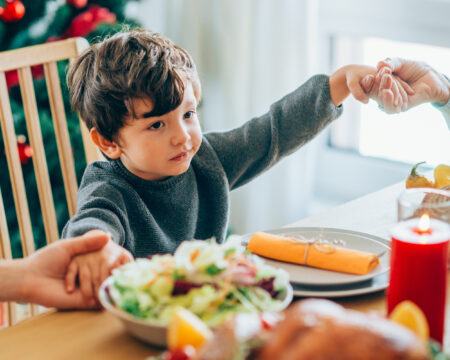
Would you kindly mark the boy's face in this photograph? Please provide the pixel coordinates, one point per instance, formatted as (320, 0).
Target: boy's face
(154, 148)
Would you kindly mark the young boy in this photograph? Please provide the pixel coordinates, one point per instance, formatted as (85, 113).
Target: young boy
(165, 182)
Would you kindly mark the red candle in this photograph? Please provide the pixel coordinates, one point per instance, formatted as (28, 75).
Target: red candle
(419, 269)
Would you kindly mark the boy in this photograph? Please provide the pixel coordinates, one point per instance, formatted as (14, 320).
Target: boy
(164, 182)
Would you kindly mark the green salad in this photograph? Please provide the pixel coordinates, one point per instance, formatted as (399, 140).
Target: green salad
(212, 280)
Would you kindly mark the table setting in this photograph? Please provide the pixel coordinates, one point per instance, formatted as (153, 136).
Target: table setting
(317, 262)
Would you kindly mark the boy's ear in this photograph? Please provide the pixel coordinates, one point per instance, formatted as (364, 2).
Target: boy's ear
(107, 147)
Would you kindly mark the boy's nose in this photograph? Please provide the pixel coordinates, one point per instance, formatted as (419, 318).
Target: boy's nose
(180, 135)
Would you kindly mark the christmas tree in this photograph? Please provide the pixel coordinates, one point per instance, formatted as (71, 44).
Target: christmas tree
(31, 22)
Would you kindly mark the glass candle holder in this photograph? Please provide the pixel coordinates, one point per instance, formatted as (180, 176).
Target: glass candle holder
(413, 203)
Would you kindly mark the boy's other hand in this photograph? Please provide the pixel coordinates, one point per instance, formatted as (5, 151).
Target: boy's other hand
(93, 268)
(347, 80)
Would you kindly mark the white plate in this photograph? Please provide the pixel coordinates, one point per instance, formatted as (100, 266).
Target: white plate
(378, 283)
(305, 275)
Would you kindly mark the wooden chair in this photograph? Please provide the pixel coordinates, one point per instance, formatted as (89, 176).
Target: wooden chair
(23, 59)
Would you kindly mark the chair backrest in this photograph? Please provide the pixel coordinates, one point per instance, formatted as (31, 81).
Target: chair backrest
(22, 60)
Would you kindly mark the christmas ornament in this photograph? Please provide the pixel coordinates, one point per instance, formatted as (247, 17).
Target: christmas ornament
(87, 21)
(77, 3)
(14, 10)
(25, 150)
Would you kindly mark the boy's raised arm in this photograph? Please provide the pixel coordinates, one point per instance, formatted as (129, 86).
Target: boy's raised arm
(249, 150)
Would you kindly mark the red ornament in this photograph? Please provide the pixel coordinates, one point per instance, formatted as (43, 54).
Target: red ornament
(87, 21)
(25, 150)
(13, 11)
(78, 3)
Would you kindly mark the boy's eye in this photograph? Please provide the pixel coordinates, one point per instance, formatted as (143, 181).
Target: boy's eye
(189, 114)
(157, 125)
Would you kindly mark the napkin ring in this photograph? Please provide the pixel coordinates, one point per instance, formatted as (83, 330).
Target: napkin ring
(323, 246)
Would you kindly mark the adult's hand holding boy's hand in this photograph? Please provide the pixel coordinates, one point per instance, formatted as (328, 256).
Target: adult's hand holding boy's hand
(364, 82)
(93, 268)
(423, 84)
(41, 275)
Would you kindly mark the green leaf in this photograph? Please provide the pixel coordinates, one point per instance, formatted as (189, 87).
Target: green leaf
(213, 270)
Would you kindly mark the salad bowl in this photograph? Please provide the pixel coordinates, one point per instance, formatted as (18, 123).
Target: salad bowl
(145, 330)
(214, 281)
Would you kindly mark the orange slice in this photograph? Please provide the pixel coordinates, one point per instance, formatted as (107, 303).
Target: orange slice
(442, 175)
(185, 328)
(412, 317)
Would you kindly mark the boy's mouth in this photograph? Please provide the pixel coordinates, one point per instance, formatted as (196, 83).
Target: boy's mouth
(181, 156)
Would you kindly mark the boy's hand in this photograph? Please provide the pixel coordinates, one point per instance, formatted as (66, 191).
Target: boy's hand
(347, 80)
(95, 267)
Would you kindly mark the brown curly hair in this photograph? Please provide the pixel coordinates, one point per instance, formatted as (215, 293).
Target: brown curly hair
(130, 64)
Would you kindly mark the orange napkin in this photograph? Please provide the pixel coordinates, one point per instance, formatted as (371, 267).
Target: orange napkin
(318, 255)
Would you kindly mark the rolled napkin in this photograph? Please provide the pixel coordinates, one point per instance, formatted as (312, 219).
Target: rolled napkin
(315, 254)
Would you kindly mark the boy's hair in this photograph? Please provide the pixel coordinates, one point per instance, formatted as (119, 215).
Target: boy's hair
(131, 64)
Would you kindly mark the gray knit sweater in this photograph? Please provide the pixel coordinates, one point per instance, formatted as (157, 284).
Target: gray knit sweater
(148, 217)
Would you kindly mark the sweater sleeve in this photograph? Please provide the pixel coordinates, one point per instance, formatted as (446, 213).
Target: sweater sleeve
(249, 150)
(445, 109)
(100, 206)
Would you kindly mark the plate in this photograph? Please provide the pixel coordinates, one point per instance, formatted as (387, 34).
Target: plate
(376, 284)
(305, 275)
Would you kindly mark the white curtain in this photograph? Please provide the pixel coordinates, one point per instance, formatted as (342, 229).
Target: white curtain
(249, 53)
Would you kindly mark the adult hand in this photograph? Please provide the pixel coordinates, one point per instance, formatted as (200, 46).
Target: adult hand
(427, 84)
(45, 270)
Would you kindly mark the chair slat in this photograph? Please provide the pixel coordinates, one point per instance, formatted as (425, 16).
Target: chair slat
(15, 170)
(62, 135)
(39, 54)
(39, 160)
(8, 309)
(5, 244)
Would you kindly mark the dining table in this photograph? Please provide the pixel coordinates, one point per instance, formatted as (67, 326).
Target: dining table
(99, 335)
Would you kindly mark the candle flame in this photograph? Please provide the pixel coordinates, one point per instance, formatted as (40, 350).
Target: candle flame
(424, 223)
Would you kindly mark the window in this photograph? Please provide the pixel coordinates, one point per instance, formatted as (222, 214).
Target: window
(365, 149)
